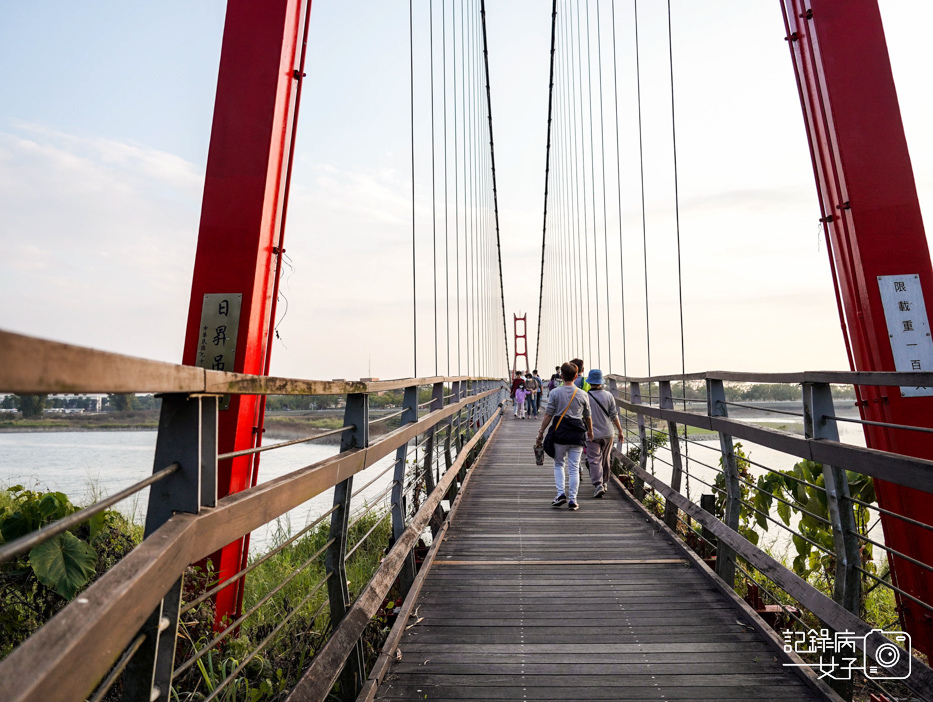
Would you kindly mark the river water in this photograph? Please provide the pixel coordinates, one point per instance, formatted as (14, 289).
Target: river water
(87, 465)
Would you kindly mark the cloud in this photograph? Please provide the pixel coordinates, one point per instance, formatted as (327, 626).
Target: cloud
(96, 240)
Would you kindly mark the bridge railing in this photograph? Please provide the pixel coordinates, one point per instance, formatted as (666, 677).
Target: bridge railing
(675, 412)
(127, 624)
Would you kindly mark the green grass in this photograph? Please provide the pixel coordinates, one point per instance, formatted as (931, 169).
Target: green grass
(281, 663)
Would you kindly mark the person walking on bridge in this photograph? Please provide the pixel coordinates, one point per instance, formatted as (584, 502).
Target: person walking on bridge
(539, 390)
(580, 381)
(569, 404)
(517, 382)
(599, 448)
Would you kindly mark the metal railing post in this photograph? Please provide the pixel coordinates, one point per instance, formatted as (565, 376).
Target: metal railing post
(667, 402)
(357, 415)
(454, 397)
(430, 481)
(410, 415)
(635, 393)
(188, 436)
(725, 556)
(817, 407)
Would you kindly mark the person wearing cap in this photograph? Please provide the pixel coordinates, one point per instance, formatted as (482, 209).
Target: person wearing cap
(605, 416)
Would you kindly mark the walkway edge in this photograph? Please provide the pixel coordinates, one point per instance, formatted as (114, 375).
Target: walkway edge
(381, 666)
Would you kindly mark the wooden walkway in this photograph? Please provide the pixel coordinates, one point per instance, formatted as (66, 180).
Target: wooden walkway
(529, 602)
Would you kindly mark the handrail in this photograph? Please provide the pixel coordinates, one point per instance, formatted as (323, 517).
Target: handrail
(36, 366)
(822, 606)
(820, 445)
(882, 378)
(76, 648)
(893, 467)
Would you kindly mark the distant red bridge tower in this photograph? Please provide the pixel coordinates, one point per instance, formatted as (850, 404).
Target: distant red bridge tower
(524, 345)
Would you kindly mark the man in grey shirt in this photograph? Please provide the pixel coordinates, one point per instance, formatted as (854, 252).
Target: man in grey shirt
(573, 403)
(599, 448)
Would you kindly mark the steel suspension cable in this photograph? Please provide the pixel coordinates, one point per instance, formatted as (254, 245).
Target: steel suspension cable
(575, 245)
(433, 186)
(582, 240)
(547, 170)
(615, 84)
(641, 160)
(414, 279)
(589, 79)
(456, 179)
(495, 195)
(680, 287)
(446, 197)
(464, 96)
(602, 141)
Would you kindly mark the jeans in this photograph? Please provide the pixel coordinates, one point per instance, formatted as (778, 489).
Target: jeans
(572, 455)
(530, 404)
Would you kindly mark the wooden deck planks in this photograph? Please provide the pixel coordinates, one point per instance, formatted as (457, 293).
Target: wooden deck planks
(526, 601)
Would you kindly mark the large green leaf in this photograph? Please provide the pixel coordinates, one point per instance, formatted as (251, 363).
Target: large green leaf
(783, 510)
(64, 563)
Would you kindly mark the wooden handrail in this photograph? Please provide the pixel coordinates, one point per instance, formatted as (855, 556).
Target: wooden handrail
(880, 378)
(36, 366)
(74, 650)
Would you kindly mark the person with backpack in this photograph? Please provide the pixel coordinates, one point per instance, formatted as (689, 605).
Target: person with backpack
(599, 447)
(569, 407)
(555, 380)
(580, 381)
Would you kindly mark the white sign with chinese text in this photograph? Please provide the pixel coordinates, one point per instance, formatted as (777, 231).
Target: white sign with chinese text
(220, 321)
(908, 327)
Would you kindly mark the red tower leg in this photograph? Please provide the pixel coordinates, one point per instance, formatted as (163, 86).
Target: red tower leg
(874, 229)
(240, 235)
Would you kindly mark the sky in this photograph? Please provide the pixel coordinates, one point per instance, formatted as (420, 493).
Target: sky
(104, 128)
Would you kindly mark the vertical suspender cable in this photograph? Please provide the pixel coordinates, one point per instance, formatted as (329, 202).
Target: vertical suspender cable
(602, 141)
(547, 169)
(641, 159)
(680, 287)
(433, 188)
(575, 245)
(414, 282)
(615, 87)
(466, 232)
(446, 200)
(495, 195)
(582, 240)
(456, 179)
(589, 90)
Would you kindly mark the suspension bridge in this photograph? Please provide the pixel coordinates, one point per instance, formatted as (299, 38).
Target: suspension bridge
(479, 588)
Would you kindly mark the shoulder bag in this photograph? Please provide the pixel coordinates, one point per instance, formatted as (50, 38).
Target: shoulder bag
(573, 432)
